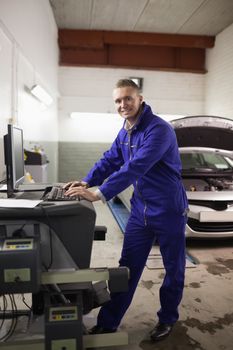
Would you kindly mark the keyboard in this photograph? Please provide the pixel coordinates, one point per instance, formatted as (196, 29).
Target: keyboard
(58, 194)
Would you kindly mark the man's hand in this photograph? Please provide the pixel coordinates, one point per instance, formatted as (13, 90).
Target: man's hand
(72, 184)
(83, 193)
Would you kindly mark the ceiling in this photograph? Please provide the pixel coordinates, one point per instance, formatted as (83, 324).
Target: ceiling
(197, 17)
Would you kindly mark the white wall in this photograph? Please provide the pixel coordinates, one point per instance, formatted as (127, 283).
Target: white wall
(90, 90)
(28, 56)
(5, 82)
(32, 26)
(219, 80)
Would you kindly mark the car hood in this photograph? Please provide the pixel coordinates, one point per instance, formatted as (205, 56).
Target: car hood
(210, 196)
(204, 131)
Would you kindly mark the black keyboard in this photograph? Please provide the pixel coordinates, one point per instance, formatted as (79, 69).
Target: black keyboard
(58, 194)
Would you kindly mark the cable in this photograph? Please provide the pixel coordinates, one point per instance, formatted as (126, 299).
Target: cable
(61, 296)
(55, 287)
(23, 300)
(51, 248)
(5, 304)
(50, 238)
(13, 320)
(19, 232)
(4, 310)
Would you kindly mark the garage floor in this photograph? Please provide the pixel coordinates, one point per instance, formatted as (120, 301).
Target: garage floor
(206, 311)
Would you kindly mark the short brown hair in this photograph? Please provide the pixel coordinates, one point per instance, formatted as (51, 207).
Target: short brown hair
(127, 83)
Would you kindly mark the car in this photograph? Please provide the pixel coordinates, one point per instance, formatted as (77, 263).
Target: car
(206, 151)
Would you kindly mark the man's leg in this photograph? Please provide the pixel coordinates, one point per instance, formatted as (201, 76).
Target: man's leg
(136, 248)
(172, 246)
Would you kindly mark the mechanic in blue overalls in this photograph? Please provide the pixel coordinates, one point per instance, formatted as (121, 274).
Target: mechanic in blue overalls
(145, 154)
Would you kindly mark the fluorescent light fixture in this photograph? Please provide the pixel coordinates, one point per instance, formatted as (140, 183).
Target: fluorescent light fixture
(81, 115)
(41, 94)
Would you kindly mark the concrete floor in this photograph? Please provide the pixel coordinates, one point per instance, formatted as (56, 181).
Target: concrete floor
(206, 311)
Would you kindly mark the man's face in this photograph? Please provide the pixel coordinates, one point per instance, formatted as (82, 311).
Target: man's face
(127, 102)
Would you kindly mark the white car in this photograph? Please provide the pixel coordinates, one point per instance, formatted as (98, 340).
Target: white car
(206, 150)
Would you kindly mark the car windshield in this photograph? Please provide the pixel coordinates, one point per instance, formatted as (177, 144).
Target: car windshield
(205, 160)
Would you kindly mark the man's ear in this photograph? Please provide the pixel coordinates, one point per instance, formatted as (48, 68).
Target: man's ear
(141, 98)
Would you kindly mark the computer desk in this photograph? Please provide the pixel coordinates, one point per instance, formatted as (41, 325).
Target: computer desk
(74, 224)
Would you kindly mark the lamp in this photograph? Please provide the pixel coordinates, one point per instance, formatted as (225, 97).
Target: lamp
(138, 81)
(41, 94)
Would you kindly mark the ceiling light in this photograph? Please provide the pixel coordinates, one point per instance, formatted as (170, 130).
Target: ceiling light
(81, 115)
(41, 94)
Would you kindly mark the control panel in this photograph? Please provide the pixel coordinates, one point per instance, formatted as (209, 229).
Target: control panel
(63, 313)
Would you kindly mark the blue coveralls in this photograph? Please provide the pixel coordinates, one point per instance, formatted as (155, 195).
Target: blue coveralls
(146, 156)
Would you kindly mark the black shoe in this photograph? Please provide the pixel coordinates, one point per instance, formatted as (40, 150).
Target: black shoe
(161, 331)
(100, 330)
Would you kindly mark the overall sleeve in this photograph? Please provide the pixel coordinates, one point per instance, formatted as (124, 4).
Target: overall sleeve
(156, 143)
(111, 161)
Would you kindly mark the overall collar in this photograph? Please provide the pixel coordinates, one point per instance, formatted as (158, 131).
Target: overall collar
(128, 127)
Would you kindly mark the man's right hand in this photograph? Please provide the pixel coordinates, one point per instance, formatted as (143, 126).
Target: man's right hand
(71, 184)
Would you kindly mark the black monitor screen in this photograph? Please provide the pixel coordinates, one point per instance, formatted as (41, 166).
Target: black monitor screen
(14, 157)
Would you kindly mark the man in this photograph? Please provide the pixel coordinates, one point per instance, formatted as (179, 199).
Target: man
(145, 154)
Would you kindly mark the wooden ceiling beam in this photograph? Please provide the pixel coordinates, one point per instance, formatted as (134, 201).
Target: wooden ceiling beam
(136, 50)
(72, 38)
(69, 38)
(177, 59)
(156, 39)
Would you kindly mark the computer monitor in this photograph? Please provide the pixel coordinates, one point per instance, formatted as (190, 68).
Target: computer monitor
(14, 158)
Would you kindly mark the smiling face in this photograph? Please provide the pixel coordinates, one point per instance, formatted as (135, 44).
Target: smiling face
(128, 102)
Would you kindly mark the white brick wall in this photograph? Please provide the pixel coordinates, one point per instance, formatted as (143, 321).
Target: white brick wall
(90, 90)
(219, 80)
